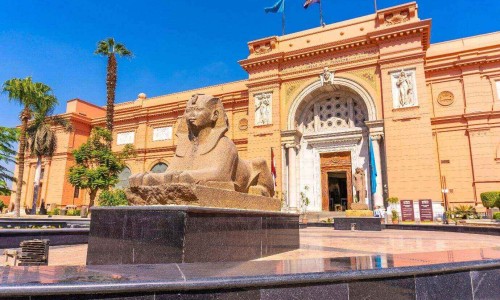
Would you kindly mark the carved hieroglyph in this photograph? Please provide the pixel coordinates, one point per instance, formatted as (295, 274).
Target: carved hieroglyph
(404, 88)
(205, 156)
(263, 108)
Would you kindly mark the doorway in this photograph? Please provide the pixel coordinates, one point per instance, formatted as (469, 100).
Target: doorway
(337, 191)
(336, 181)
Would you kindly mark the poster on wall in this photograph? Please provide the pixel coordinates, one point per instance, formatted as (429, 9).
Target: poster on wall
(426, 213)
(407, 211)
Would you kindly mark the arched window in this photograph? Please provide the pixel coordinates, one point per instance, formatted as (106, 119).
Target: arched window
(159, 168)
(123, 179)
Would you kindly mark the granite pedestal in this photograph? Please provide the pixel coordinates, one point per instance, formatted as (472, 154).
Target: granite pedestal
(182, 234)
(362, 223)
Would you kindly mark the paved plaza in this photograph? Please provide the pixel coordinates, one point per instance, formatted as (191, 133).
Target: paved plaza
(318, 242)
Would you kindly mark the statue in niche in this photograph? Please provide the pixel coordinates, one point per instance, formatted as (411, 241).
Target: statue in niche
(360, 185)
(327, 76)
(263, 109)
(405, 89)
(205, 156)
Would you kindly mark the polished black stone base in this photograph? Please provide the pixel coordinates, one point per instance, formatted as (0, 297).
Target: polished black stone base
(181, 234)
(361, 223)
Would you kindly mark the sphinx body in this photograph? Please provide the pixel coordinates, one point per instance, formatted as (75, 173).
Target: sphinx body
(205, 156)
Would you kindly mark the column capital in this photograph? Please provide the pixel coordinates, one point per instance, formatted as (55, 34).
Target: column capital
(375, 128)
(290, 137)
(377, 136)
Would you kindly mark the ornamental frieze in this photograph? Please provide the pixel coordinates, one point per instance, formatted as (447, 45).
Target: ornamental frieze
(300, 65)
(368, 75)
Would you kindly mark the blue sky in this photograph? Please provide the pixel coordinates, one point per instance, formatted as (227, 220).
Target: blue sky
(178, 45)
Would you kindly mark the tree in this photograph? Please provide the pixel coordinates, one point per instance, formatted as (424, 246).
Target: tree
(97, 167)
(27, 93)
(42, 141)
(8, 136)
(110, 49)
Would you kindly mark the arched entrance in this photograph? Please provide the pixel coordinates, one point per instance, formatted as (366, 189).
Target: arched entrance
(332, 121)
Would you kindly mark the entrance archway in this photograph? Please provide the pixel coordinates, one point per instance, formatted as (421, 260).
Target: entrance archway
(334, 142)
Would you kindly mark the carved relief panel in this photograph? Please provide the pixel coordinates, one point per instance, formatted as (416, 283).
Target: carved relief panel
(404, 88)
(263, 108)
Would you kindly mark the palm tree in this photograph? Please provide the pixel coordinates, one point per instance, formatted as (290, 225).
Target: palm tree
(42, 141)
(27, 93)
(8, 136)
(110, 49)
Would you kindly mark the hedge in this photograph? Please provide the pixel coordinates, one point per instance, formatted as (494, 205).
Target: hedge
(491, 199)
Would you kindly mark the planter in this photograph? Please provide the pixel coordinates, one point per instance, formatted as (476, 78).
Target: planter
(395, 221)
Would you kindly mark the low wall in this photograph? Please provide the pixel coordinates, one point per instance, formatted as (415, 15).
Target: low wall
(372, 277)
(447, 228)
(11, 238)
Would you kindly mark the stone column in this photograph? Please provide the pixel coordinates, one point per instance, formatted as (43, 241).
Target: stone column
(378, 199)
(292, 182)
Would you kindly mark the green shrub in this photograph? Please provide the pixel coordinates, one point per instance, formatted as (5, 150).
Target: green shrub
(57, 211)
(73, 212)
(491, 199)
(496, 216)
(465, 212)
(393, 200)
(113, 198)
(2, 206)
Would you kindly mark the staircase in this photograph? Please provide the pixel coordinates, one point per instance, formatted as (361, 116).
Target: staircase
(318, 216)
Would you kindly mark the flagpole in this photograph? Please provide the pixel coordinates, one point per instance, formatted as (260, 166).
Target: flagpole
(283, 20)
(321, 23)
(375, 3)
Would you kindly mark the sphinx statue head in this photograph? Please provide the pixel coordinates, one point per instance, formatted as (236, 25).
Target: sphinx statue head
(204, 121)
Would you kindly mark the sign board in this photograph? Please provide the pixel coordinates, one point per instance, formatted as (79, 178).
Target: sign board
(125, 138)
(407, 211)
(426, 213)
(162, 134)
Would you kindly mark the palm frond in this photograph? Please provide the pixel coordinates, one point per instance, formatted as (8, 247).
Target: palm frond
(122, 51)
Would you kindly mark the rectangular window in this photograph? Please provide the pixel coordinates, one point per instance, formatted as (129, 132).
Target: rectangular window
(162, 134)
(76, 194)
(498, 89)
(125, 138)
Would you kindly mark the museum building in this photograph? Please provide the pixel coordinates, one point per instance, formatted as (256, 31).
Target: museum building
(322, 101)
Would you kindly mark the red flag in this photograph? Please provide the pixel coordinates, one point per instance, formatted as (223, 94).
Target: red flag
(273, 167)
(309, 2)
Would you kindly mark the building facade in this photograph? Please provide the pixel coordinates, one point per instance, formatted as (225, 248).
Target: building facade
(326, 102)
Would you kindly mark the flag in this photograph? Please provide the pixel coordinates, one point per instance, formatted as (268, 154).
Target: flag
(309, 2)
(373, 169)
(277, 7)
(273, 167)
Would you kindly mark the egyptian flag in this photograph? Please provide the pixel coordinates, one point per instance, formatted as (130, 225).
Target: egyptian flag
(309, 2)
(273, 167)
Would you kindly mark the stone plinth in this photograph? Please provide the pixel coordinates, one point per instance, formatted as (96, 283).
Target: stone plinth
(198, 195)
(185, 234)
(362, 223)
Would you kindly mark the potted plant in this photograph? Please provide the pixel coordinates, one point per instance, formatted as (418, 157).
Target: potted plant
(395, 216)
(393, 200)
(304, 203)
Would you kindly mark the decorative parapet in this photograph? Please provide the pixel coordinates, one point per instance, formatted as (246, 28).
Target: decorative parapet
(397, 15)
(263, 46)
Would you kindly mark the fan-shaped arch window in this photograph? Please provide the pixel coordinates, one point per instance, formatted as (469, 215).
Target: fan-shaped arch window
(159, 168)
(123, 179)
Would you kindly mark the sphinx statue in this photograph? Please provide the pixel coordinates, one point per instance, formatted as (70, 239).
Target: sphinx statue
(206, 157)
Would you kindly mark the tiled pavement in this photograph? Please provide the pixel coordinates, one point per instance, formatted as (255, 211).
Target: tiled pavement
(317, 242)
